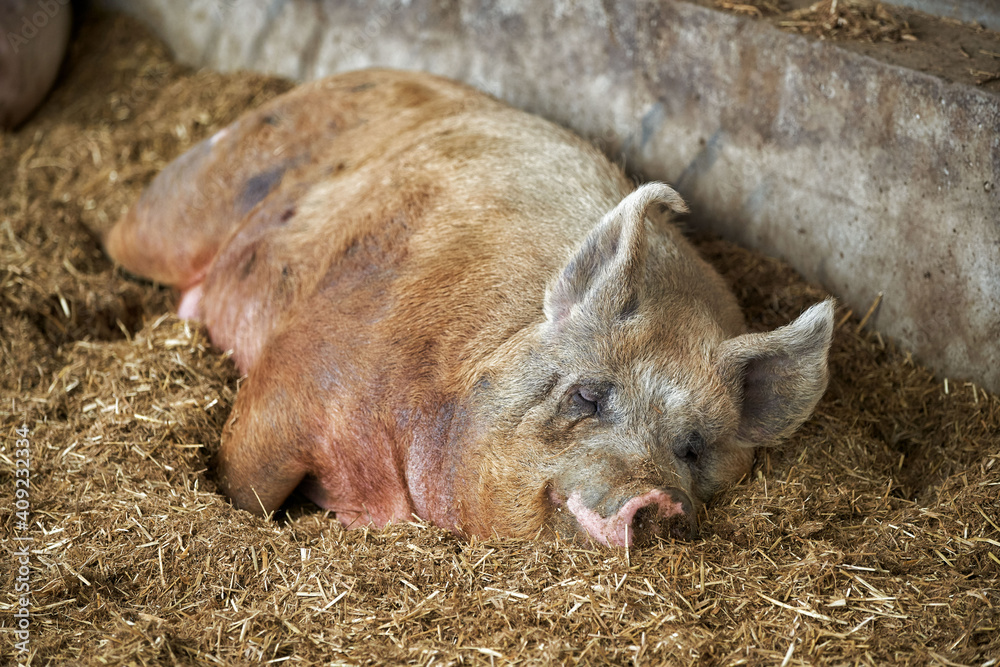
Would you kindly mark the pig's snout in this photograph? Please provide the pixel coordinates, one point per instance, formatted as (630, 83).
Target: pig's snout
(665, 512)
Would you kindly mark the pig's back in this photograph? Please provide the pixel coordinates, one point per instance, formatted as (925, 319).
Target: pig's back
(396, 201)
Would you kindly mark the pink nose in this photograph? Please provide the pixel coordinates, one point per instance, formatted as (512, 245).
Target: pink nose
(663, 512)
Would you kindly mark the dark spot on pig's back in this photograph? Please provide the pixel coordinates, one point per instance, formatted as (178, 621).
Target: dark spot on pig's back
(461, 146)
(248, 265)
(258, 187)
(380, 251)
(385, 248)
(414, 94)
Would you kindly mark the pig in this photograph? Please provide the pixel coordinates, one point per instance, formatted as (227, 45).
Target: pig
(451, 309)
(33, 39)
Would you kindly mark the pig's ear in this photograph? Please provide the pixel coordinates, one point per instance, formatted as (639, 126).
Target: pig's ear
(780, 375)
(602, 277)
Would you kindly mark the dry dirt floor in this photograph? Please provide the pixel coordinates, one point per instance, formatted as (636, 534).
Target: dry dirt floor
(871, 538)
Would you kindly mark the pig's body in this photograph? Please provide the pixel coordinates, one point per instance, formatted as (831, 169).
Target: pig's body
(442, 312)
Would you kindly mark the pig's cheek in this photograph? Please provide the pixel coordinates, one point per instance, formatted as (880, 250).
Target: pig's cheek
(701, 482)
(722, 470)
(735, 464)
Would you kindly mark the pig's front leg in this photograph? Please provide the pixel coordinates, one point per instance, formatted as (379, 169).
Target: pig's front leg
(303, 419)
(265, 452)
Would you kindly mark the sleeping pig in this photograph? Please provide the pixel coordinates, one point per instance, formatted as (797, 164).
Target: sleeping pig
(452, 309)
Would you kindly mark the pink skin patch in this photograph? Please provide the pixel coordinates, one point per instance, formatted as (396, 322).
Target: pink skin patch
(617, 530)
(190, 305)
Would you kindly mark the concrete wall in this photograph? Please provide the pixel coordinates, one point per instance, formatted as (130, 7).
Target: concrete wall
(868, 178)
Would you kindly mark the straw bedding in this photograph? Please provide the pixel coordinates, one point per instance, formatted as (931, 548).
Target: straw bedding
(870, 538)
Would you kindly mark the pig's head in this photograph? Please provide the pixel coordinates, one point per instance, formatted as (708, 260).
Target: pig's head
(641, 397)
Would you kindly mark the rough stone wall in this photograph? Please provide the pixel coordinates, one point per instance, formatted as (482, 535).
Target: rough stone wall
(868, 178)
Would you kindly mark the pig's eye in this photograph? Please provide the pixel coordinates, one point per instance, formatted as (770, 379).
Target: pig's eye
(588, 401)
(690, 449)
